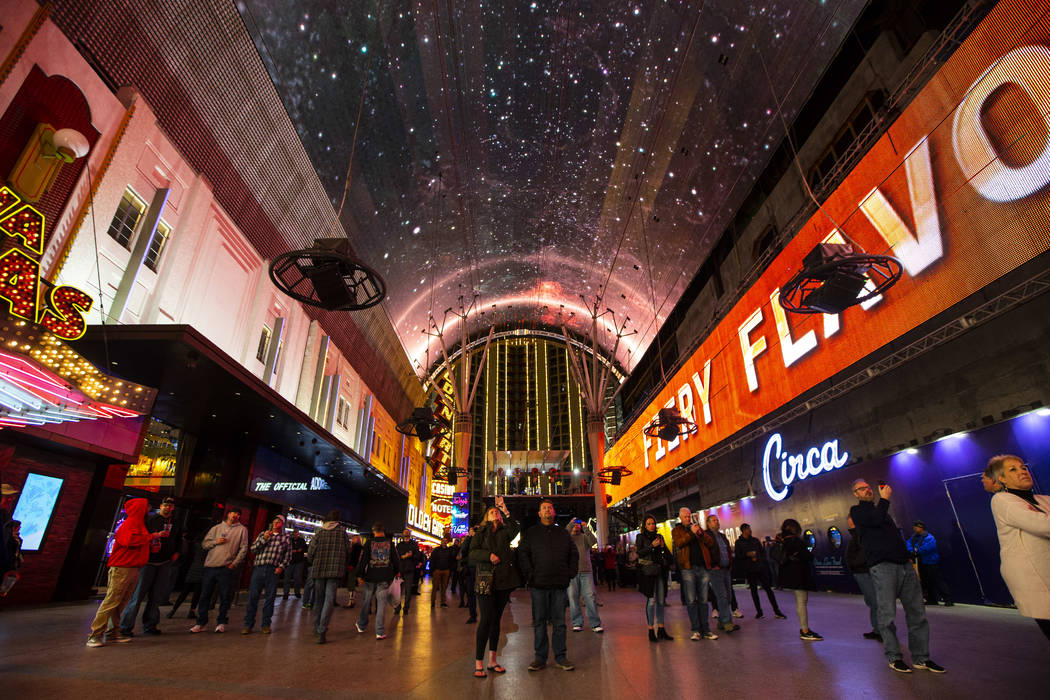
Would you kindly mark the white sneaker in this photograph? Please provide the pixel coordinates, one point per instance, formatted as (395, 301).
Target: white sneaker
(577, 628)
(196, 628)
(695, 636)
(220, 629)
(714, 614)
(599, 629)
(357, 626)
(737, 613)
(710, 635)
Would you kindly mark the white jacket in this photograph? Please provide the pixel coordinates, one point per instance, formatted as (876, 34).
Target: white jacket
(1024, 547)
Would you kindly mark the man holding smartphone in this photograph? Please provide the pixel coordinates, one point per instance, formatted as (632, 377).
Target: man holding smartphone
(893, 578)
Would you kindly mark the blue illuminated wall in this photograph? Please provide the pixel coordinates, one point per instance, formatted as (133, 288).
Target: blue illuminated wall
(937, 483)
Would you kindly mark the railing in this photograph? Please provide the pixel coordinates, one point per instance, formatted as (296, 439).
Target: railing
(537, 483)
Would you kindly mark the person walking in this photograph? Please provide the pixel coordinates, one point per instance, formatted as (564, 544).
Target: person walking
(654, 564)
(581, 586)
(750, 556)
(796, 573)
(440, 569)
(329, 554)
(191, 585)
(131, 548)
(923, 546)
(1022, 520)
(549, 560)
(409, 557)
(894, 578)
(857, 564)
(609, 566)
(466, 577)
(155, 576)
(227, 546)
(375, 573)
(351, 572)
(495, 578)
(293, 575)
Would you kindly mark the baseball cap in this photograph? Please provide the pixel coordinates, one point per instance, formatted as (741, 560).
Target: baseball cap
(169, 499)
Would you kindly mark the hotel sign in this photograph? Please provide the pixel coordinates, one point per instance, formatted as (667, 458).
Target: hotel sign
(958, 189)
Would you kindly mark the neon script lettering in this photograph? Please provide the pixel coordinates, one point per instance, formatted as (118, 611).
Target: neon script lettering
(813, 462)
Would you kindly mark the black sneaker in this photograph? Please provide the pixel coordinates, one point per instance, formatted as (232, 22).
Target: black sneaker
(127, 633)
(759, 615)
(564, 665)
(930, 665)
(899, 666)
(779, 615)
(537, 666)
(872, 635)
(153, 631)
(810, 636)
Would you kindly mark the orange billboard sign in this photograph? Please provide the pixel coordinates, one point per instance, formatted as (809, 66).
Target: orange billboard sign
(958, 189)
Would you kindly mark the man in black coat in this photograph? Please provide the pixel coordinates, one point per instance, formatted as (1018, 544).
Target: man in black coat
(549, 559)
(409, 556)
(751, 560)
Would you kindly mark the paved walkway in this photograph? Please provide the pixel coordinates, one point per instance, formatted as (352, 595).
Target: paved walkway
(430, 655)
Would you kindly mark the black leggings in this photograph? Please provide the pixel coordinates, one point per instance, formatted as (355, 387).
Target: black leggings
(491, 607)
(1044, 625)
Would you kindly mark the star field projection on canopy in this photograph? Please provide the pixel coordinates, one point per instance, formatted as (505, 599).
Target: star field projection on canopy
(522, 150)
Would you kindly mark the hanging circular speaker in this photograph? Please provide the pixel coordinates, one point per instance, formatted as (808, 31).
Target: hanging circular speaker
(329, 276)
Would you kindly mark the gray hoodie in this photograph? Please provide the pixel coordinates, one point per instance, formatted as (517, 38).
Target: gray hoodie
(232, 551)
(583, 541)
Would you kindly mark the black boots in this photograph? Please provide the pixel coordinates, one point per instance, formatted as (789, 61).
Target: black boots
(661, 633)
(652, 636)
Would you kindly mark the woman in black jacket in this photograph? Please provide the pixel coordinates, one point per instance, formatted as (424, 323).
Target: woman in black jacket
(495, 577)
(654, 562)
(796, 572)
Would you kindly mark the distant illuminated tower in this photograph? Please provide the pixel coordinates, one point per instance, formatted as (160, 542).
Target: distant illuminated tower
(528, 401)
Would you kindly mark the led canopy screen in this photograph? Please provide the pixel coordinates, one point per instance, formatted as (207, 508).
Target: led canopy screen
(35, 505)
(958, 189)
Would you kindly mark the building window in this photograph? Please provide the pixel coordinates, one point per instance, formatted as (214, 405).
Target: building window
(156, 246)
(264, 342)
(854, 127)
(342, 413)
(129, 211)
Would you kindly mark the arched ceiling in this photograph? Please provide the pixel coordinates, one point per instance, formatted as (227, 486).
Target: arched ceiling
(541, 155)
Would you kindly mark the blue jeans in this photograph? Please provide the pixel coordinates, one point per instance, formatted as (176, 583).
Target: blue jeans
(152, 587)
(264, 579)
(581, 585)
(408, 583)
(294, 575)
(695, 579)
(654, 605)
(377, 591)
(548, 606)
(893, 581)
(324, 601)
(867, 588)
(722, 585)
(308, 588)
(223, 578)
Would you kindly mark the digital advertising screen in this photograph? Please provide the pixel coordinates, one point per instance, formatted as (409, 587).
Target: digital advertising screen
(958, 190)
(35, 505)
(460, 513)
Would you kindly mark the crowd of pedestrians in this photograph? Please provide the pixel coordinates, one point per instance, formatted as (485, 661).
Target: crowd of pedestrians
(559, 567)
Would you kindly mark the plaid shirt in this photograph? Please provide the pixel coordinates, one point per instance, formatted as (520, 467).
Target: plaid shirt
(329, 553)
(276, 552)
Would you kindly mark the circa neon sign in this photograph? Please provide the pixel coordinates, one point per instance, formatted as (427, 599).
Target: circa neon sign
(814, 462)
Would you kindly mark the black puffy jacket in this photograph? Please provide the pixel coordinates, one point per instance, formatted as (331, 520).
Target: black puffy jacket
(549, 558)
(487, 541)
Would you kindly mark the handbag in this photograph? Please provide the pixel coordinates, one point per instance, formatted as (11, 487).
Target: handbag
(483, 580)
(393, 592)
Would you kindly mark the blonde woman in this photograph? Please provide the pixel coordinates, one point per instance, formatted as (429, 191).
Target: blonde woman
(496, 577)
(1023, 522)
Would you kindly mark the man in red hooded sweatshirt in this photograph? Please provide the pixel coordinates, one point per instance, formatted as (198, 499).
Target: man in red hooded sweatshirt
(130, 553)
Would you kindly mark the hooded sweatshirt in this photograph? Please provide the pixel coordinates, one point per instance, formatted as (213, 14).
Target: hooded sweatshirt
(232, 551)
(329, 551)
(131, 540)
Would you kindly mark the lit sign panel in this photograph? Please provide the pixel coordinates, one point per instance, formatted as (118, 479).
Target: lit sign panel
(62, 309)
(956, 189)
(813, 462)
(460, 514)
(314, 484)
(419, 520)
(35, 505)
(441, 503)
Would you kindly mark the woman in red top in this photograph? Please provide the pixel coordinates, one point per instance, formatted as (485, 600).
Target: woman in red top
(610, 567)
(130, 553)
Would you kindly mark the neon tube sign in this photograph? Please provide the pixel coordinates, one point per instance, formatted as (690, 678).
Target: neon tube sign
(814, 462)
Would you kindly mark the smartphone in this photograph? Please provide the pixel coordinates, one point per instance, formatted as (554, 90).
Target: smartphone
(881, 482)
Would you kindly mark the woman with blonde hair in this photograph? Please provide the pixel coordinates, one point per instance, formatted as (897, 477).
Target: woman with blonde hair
(495, 578)
(1023, 522)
